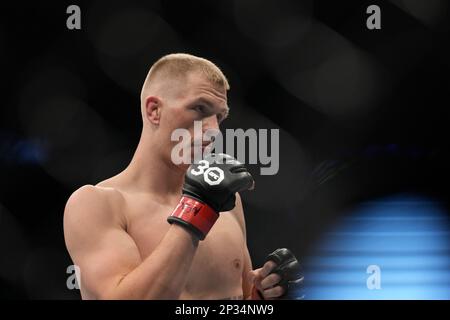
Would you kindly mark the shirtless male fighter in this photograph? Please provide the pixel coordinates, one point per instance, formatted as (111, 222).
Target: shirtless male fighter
(159, 230)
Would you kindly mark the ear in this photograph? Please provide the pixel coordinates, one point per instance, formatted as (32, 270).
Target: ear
(153, 109)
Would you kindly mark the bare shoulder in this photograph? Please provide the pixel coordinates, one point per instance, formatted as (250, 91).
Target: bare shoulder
(92, 205)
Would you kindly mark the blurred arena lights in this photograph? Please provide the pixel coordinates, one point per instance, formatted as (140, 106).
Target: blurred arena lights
(431, 13)
(406, 235)
(127, 39)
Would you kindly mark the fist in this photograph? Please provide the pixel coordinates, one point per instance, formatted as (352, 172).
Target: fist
(267, 283)
(215, 181)
(210, 187)
(280, 276)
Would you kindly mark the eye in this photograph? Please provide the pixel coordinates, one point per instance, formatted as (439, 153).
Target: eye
(200, 109)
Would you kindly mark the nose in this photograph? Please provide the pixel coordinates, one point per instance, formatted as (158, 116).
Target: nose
(210, 124)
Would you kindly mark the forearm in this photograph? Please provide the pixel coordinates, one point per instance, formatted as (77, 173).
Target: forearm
(164, 273)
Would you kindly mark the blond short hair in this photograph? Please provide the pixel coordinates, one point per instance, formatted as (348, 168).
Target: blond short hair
(179, 65)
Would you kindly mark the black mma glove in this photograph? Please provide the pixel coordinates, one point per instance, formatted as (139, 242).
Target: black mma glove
(209, 188)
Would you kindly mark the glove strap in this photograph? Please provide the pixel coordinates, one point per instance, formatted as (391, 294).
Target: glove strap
(194, 215)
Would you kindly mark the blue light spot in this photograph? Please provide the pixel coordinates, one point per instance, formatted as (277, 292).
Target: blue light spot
(406, 236)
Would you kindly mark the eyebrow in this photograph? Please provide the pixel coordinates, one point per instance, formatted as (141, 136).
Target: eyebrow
(211, 105)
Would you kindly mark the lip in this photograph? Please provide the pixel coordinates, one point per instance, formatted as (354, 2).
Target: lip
(203, 144)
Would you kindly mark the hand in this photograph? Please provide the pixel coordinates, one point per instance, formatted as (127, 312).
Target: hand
(280, 276)
(210, 187)
(266, 282)
(215, 181)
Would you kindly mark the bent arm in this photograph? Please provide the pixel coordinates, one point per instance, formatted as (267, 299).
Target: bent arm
(110, 263)
(163, 274)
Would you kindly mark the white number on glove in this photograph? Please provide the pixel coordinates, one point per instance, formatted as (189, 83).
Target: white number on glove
(203, 164)
(213, 176)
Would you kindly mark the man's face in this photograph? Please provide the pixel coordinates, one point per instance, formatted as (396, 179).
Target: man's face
(197, 100)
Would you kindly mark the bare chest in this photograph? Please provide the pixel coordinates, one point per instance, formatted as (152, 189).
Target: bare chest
(217, 267)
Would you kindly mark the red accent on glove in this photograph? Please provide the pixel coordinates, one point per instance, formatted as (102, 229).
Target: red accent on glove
(196, 213)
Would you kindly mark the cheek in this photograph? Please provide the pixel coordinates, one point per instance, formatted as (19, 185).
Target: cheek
(185, 120)
(177, 118)
(171, 122)
(171, 125)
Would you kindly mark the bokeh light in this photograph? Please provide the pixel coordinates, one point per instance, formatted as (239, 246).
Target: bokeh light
(407, 236)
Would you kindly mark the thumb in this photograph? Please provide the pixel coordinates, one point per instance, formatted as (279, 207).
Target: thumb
(252, 276)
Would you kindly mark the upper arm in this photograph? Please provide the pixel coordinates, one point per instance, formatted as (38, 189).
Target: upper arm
(97, 242)
(247, 265)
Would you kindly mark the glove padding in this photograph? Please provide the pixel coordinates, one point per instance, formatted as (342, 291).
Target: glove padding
(210, 187)
(215, 181)
(288, 268)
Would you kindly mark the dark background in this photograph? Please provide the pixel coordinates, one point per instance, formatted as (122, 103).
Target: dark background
(362, 113)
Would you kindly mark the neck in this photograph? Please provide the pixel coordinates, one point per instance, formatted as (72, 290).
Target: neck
(148, 171)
